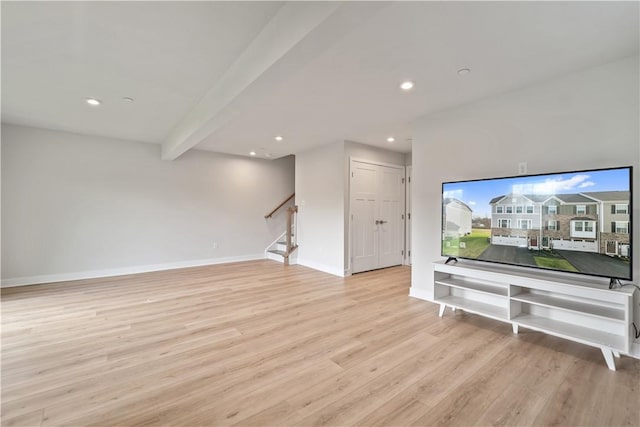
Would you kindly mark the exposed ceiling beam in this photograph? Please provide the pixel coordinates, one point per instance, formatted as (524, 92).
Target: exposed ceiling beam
(288, 27)
(296, 34)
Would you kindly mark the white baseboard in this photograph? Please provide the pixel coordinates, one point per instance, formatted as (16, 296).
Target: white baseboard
(420, 294)
(94, 274)
(321, 267)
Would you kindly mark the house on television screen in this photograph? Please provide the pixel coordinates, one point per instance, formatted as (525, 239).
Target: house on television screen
(587, 222)
(456, 217)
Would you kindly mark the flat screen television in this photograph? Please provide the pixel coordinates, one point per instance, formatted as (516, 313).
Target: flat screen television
(577, 221)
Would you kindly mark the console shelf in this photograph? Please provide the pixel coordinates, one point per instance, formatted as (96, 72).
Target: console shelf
(609, 313)
(570, 331)
(487, 310)
(475, 286)
(581, 310)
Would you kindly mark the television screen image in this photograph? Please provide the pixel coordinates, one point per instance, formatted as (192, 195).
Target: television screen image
(576, 222)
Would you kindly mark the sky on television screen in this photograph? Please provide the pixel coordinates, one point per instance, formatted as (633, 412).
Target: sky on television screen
(477, 194)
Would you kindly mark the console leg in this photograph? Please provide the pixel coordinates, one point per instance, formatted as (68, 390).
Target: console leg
(442, 307)
(515, 328)
(608, 357)
(616, 354)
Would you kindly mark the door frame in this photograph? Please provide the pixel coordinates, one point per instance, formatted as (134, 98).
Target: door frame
(348, 231)
(408, 203)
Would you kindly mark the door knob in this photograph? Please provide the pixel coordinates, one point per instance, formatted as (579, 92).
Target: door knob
(383, 222)
(377, 222)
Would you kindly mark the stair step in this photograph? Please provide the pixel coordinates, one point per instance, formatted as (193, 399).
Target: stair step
(283, 243)
(275, 251)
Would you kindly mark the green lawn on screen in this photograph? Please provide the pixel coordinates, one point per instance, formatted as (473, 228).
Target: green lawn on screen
(475, 243)
(554, 262)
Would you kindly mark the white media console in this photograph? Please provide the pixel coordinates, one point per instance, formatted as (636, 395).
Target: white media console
(577, 309)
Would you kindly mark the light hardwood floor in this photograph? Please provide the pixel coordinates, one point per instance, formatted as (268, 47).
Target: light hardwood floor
(259, 344)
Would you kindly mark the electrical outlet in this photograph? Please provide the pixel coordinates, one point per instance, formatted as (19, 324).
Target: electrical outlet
(522, 168)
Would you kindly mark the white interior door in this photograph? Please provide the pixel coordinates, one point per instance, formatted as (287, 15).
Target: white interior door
(391, 216)
(364, 231)
(377, 216)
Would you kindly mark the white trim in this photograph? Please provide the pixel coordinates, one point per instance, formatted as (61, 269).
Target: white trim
(420, 294)
(498, 201)
(373, 162)
(524, 197)
(407, 211)
(498, 225)
(321, 267)
(621, 222)
(584, 233)
(520, 221)
(549, 198)
(626, 205)
(95, 274)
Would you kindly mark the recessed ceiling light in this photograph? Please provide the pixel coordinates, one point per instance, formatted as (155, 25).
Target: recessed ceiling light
(407, 85)
(127, 99)
(391, 139)
(93, 102)
(252, 153)
(463, 71)
(278, 138)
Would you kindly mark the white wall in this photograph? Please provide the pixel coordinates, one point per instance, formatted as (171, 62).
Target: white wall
(320, 200)
(580, 121)
(322, 196)
(78, 206)
(374, 154)
(408, 158)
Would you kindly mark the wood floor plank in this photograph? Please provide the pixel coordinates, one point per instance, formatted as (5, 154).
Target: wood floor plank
(259, 344)
(29, 419)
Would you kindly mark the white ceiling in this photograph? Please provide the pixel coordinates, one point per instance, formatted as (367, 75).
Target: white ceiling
(229, 76)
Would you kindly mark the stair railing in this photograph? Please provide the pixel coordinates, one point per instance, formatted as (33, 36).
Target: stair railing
(291, 227)
(291, 232)
(270, 214)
